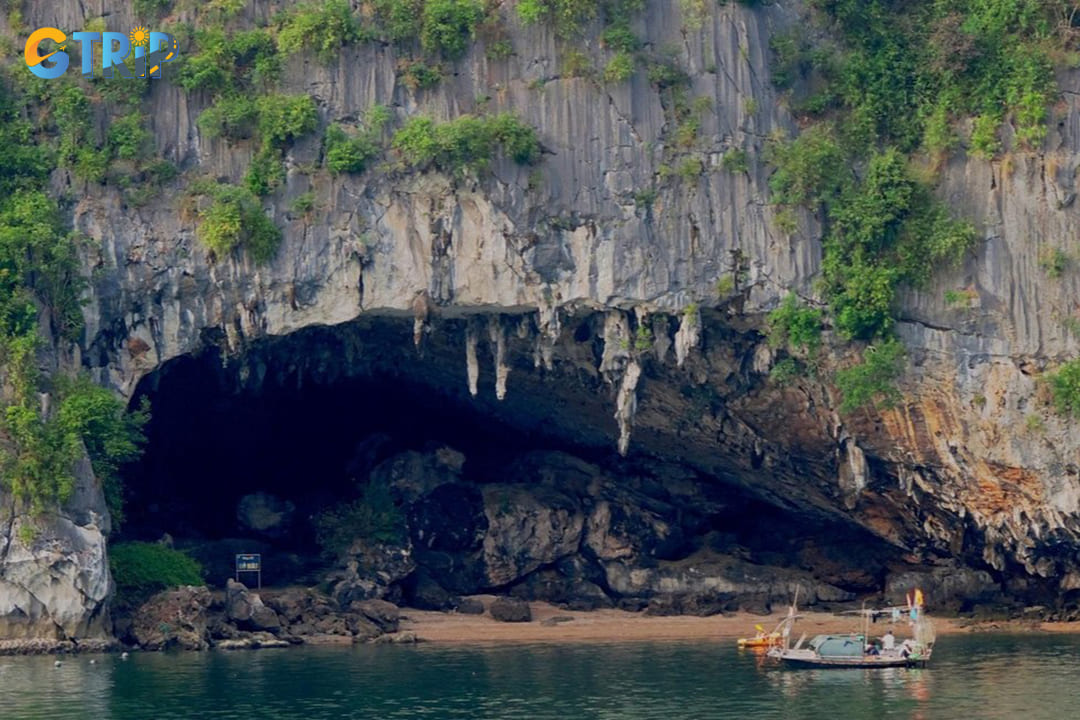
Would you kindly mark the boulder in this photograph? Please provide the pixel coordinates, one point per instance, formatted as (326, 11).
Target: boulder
(423, 593)
(361, 628)
(528, 527)
(402, 638)
(246, 609)
(173, 619)
(372, 571)
(628, 527)
(265, 514)
(509, 609)
(296, 605)
(470, 606)
(384, 615)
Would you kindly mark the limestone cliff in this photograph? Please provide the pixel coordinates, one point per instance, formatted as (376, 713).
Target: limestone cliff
(511, 280)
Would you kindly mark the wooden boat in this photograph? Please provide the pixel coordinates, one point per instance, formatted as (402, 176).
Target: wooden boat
(851, 650)
(848, 651)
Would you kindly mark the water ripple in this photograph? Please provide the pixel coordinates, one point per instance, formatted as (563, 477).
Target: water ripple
(988, 677)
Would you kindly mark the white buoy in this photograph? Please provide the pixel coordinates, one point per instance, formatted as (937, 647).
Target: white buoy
(123, 656)
(57, 663)
(93, 662)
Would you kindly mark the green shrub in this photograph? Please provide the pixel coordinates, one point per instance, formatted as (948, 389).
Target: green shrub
(323, 28)
(984, 136)
(373, 518)
(465, 143)
(347, 153)
(232, 117)
(787, 371)
(449, 26)
(620, 68)
(793, 326)
(810, 170)
(230, 62)
(621, 39)
(128, 138)
(418, 75)
(736, 160)
(90, 164)
(401, 20)
(1054, 262)
(569, 17)
(303, 204)
(141, 569)
(691, 168)
(235, 219)
(1065, 387)
(873, 381)
(283, 118)
(576, 64)
(266, 172)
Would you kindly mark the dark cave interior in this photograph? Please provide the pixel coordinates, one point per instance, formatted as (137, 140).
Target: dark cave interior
(216, 436)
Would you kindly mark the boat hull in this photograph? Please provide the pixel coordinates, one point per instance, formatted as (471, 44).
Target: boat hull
(870, 661)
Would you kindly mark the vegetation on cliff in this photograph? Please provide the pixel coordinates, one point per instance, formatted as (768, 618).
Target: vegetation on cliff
(40, 282)
(886, 99)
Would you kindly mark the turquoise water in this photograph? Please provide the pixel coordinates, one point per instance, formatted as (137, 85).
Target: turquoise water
(978, 676)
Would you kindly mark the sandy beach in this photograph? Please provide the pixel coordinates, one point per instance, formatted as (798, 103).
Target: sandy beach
(551, 624)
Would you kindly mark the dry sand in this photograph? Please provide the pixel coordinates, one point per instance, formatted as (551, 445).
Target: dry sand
(549, 625)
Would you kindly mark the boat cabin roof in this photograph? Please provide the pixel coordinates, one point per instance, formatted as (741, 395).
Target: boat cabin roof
(839, 645)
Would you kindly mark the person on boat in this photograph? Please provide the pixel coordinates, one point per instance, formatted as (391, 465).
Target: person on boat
(872, 648)
(907, 647)
(888, 641)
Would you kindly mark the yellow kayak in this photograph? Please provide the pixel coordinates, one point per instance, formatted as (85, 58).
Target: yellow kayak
(761, 640)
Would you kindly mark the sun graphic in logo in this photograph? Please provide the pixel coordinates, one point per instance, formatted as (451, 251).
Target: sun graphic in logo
(140, 36)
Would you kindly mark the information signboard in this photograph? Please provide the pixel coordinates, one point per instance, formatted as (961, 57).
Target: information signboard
(249, 563)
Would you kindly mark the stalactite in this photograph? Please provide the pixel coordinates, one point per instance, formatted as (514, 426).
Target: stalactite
(661, 341)
(616, 346)
(421, 308)
(619, 366)
(497, 333)
(626, 404)
(472, 367)
(689, 335)
(549, 327)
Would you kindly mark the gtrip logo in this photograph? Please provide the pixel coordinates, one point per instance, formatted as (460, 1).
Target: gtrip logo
(147, 51)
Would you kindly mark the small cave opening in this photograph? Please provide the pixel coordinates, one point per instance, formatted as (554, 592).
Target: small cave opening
(246, 452)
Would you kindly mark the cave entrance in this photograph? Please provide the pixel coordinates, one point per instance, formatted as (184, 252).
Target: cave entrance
(245, 452)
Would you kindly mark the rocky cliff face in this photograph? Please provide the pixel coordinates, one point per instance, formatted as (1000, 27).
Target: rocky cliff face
(528, 287)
